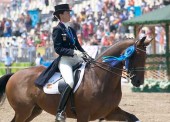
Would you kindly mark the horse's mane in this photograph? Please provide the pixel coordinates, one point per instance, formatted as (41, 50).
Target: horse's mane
(118, 47)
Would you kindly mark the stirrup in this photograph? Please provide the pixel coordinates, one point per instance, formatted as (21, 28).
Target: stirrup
(61, 117)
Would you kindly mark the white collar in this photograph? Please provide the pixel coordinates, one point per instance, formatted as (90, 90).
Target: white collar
(66, 24)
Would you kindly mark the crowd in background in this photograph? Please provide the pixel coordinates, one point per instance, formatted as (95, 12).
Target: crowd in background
(95, 25)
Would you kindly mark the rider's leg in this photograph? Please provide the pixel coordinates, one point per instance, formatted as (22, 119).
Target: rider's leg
(62, 103)
(65, 67)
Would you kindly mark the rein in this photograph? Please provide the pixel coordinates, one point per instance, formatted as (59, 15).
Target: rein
(109, 69)
(126, 75)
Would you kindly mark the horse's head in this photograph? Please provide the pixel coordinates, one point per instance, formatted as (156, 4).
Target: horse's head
(136, 62)
(130, 53)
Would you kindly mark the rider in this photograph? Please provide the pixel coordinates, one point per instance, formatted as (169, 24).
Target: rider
(70, 52)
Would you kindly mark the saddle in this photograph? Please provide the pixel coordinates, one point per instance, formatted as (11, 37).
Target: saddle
(56, 84)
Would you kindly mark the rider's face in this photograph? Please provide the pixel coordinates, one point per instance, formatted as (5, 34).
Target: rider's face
(65, 17)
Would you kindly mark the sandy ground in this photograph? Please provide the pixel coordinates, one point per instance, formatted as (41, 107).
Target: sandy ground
(148, 107)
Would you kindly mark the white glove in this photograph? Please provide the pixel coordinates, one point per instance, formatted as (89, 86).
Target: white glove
(78, 53)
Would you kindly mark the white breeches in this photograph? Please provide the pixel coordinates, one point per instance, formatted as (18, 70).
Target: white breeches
(65, 66)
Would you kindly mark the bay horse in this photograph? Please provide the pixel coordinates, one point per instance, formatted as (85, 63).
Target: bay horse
(97, 97)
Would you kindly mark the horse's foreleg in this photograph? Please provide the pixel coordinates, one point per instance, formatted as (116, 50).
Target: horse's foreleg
(36, 111)
(22, 113)
(120, 115)
(18, 118)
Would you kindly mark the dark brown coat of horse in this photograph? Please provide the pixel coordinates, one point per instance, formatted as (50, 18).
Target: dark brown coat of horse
(97, 97)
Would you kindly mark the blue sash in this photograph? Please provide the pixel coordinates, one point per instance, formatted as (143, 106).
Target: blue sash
(70, 34)
(112, 60)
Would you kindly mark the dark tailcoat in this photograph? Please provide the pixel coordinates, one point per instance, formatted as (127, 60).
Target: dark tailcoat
(63, 46)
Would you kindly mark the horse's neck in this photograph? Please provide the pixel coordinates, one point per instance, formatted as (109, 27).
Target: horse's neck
(112, 77)
(116, 49)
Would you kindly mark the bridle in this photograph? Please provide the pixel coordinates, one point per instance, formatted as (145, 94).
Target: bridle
(131, 71)
(139, 68)
(127, 74)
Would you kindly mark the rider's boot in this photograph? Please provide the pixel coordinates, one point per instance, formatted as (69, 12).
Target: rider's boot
(60, 116)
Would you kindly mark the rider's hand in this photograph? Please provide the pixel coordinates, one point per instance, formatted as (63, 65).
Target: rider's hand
(78, 53)
(85, 54)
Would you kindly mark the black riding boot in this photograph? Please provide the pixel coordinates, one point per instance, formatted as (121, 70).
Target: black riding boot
(60, 117)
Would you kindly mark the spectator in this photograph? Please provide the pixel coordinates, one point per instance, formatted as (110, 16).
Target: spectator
(85, 31)
(131, 2)
(14, 47)
(23, 48)
(90, 28)
(122, 3)
(28, 22)
(88, 10)
(8, 62)
(1, 50)
(1, 29)
(99, 6)
(38, 60)
(7, 29)
(82, 15)
(99, 33)
(46, 2)
(94, 40)
(105, 40)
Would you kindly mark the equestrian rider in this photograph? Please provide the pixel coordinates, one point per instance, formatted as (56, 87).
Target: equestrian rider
(67, 46)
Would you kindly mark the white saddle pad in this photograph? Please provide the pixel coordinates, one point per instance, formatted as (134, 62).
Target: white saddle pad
(51, 87)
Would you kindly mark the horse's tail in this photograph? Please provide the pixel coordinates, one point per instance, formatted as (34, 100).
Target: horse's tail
(3, 81)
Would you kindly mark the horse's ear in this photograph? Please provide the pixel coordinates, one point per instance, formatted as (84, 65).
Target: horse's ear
(148, 41)
(141, 41)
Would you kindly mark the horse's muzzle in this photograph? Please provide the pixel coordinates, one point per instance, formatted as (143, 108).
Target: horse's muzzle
(136, 82)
